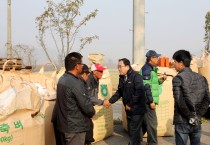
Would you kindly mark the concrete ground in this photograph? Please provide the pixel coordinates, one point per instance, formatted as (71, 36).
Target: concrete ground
(120, 137)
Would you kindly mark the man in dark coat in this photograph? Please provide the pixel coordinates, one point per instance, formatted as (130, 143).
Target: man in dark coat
(73, 108)
(131, 89)
(191, 97)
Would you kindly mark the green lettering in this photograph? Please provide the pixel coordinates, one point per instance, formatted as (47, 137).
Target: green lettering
(41, 115)
(104, 90)
(18, 124)
(6, 139)
(4, 127)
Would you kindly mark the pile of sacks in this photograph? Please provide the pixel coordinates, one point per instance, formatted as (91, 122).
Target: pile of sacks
(26, 103)
(27, 100)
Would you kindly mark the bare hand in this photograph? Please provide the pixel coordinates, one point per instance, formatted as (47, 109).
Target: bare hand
(106, 103)
(152, 106)
(128, 108)
(163, 78)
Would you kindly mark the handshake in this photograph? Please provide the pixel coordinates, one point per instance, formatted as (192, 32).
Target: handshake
(106, 103)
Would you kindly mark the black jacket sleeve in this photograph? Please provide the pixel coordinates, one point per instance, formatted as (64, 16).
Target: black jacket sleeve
(148, 93)
(115, 97)
(84, 103)
(93, 95)
(146, 74)
(206, 101)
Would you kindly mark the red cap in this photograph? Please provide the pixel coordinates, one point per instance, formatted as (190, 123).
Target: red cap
(98, 67)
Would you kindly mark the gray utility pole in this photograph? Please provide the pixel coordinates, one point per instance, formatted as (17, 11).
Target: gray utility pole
(9, 40)
(139, 32)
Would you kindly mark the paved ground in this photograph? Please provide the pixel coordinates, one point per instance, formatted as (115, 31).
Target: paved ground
(120, 137)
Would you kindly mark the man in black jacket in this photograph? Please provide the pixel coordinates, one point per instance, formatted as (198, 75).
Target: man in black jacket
(191, 97)
(131, 89)
(72, 108)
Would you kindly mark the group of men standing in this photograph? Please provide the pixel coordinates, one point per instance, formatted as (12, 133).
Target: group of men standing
(140, 94)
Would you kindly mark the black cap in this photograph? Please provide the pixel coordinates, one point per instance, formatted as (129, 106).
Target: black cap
(85, 69)
(152, 53)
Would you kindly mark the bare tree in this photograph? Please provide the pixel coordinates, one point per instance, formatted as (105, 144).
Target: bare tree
(207, 32)
(26, 53)
(62, 23)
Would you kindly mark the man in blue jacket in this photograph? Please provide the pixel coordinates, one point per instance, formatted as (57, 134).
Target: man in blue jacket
(131, 89)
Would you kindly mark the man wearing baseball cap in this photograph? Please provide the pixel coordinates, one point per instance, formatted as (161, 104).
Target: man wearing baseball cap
(92, 89)
(152, 53)
(152, 85)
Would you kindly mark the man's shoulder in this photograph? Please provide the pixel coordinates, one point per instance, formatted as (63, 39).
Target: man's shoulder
(146, 70)
(91, 79)
(70, 80)
(187, 74)
(135, 76)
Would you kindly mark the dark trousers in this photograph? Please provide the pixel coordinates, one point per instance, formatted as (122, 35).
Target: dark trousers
(183, 131)
(134, 127)
(89, 134)
(69, 138)
(149, 125)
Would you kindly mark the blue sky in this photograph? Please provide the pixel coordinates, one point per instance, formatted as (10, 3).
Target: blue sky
(170, 26)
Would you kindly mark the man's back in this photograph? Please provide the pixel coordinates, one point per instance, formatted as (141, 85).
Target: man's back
(193, 87)
(191, 97)
(72, 107)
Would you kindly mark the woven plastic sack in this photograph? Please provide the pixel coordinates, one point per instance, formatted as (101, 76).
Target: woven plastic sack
(205, 68)
(96, 58)
(194, 65)
(44, 81)
(103, 119)
(23, 95)
(20, 128)
(51, 74)
(47, 109)
(60, 73)
(8, 102)
(47, 92)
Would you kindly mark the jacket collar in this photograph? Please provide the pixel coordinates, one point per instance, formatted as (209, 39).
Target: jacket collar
(93, 78)
(149, 65)
(72, 74)
(186, 69)
(128, 73)
(154, 68)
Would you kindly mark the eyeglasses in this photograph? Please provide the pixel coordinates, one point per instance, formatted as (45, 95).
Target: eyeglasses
(120, 66)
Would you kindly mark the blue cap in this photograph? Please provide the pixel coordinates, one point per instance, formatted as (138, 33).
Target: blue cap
(152, 53)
